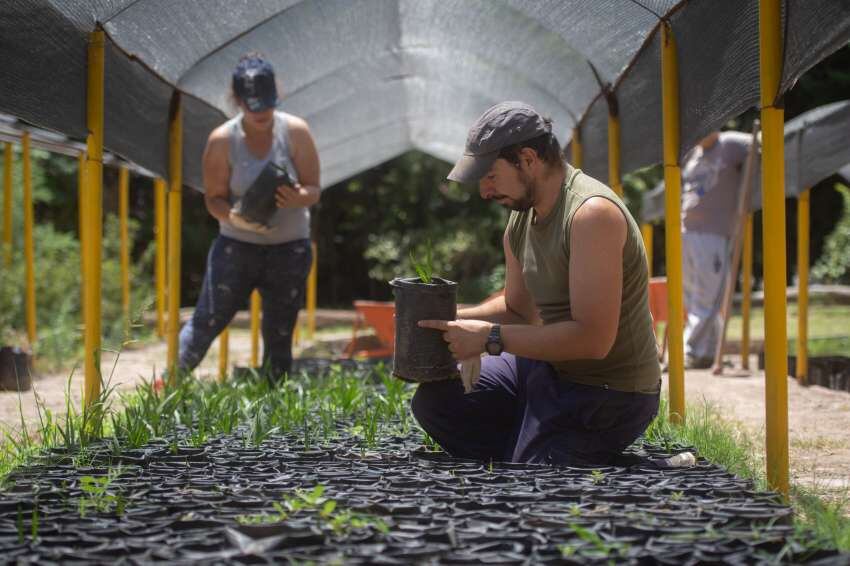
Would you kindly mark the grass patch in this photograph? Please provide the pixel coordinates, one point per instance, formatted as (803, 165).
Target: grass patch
(825, 321)
(824, 519)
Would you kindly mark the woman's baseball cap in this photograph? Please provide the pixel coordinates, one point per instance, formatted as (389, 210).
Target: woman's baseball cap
(254, 83)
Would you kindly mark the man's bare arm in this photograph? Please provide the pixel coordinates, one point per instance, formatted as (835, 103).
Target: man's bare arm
(597, 237)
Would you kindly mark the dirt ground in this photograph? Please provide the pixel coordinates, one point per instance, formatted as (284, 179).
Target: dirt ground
(819, 418)
(818, 421)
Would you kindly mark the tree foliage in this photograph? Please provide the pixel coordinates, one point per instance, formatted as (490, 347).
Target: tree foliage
(834, 264)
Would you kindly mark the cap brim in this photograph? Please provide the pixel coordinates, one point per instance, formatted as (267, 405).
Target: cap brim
(471, 168)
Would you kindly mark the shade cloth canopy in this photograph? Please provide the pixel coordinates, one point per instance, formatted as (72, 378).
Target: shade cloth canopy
(376, 78)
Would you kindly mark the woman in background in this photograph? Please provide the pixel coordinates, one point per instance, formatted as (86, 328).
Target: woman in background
(273, 257)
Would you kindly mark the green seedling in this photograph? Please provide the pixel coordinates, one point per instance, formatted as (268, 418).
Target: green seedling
(677, 495)
(34, 523)
(338, 520)
(597, 477)
(592, 546)
(97, 495)
(424, 270)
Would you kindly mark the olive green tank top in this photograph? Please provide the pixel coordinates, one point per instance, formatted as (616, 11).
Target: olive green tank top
(543, 250)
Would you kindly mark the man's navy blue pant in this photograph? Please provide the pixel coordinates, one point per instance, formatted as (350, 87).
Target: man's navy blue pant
(522, 411)
(234, 269)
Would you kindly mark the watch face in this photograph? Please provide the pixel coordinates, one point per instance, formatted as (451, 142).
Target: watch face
(493, 348)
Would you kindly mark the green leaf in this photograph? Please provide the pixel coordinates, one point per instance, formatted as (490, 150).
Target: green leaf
(328, 507)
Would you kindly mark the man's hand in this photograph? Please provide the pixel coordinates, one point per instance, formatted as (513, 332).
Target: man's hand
(292, 197)
(237, 220)
(466, 338)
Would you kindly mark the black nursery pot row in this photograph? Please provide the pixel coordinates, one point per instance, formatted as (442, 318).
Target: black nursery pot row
(189, 505)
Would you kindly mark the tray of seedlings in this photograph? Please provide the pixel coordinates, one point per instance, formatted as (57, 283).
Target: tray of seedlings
(329, 467)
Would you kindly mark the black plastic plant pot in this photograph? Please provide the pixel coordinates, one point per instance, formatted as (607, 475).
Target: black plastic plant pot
(258, 202)
(15, 369)
(421, 354)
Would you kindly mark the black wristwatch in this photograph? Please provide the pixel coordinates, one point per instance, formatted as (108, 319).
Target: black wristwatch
(494, 345)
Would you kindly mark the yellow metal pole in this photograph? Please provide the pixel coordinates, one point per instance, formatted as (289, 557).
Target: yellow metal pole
(746, 291)
(646, 232)
(29, 249)
(577, 150)
(312, 281)
(159, 265)
(256, 305)
(93, 209)
(773, 243)
(7, 204)
(223, 353)
(803, 287)
(175, 188)
(81, 201)
(123, 216)
(672, 222)
(614, 153)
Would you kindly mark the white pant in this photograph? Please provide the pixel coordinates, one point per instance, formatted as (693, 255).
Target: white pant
(705, 265)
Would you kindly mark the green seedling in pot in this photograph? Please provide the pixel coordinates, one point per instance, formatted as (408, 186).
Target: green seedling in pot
(97, 495)
(424, 270)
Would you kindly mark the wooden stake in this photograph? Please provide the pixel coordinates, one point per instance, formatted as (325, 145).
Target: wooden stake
(744, 198)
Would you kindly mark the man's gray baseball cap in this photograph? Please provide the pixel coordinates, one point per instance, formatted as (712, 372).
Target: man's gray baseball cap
(504, 124)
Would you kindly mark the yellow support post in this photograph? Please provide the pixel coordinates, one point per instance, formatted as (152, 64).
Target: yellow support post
(773, 195)
(312, 282)
(614, 153)
(746, 291)
(7, 204)
(577, 150)
(672, 223)
(803, 287)
(93, 210)
(646, 233)
(81, 221)
(175, 190)
(256, 306)
(123, 218)
(29, 249)
(159, 265)
(223, 354)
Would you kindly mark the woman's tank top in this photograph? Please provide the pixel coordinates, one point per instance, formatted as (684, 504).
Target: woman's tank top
(287, 224)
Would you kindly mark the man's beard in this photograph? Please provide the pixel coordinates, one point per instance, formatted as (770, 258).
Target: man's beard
(526, 201)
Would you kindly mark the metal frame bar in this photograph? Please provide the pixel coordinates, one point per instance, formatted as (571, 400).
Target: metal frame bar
(161, 252)
(123, 220)
(672, 222)
(29, 246)
(773, 227)
(175, 190)
(803, 221)
(746, 290)
(614, 153)
(256, 307)
(92, 212)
